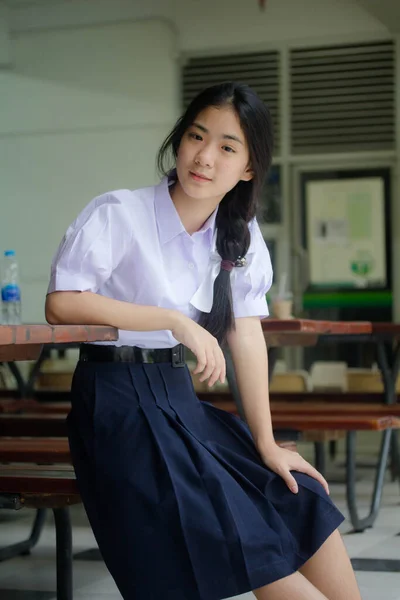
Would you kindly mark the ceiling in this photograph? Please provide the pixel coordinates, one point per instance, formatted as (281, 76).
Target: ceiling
(20, 3)
(386, 11)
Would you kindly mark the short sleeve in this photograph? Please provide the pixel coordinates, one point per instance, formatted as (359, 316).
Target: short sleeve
(251, 283)
(91, 248)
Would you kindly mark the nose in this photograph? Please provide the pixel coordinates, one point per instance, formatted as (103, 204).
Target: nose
(205, 157)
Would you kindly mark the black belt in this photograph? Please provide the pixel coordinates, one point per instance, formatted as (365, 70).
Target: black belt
(132, 354)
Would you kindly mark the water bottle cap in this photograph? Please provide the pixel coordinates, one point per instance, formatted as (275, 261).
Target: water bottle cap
(9, 253)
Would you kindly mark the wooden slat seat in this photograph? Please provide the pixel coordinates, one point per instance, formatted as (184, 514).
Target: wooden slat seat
(335, 422)
(33, 425)
(320, 396)
(61, 408)
(335, 408)
(50, 417)
(45, 422)
(40, 485)
(17, 405)
(35, 450)
(52, 484)
(329, 396)
(298, 421)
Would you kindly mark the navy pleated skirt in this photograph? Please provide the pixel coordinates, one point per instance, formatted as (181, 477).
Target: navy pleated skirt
(180, 502)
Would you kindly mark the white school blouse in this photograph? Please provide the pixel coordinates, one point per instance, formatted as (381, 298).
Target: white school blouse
(132, 246)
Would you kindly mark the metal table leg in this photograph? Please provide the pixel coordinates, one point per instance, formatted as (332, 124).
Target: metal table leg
(64, 553)
(360, 524)
(389, 368)
(21, 548)
(26, 388)
(30, 384)
(21, 385)
(320, 457)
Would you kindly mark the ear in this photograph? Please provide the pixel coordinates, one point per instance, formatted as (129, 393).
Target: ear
(248, 174)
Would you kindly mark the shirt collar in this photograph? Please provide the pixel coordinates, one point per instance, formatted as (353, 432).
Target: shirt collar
(209, 225)
(168, 221)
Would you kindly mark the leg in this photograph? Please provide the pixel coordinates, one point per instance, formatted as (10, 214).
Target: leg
(293, 587)
(330, 570)
(64, 553)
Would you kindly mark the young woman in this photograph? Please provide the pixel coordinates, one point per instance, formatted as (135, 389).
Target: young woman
(186, 501)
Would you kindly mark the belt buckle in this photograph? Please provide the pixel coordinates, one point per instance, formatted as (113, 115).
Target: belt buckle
(178, 356)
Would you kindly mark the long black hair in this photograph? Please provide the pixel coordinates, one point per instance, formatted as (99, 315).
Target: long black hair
(239, 205)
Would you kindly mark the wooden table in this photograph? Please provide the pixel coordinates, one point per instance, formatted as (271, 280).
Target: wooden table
(387, 339)
(306, 332)
(25, 342)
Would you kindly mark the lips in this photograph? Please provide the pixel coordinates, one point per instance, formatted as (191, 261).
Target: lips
(198, 176)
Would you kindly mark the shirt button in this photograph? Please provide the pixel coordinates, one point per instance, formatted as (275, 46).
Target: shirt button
(190, 265)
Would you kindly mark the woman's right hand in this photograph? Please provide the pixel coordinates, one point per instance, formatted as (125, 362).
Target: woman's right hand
(210, 359)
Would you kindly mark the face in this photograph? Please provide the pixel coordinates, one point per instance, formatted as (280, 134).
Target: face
(213, 155)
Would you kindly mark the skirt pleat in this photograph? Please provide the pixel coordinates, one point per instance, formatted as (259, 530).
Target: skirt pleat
(180, 502)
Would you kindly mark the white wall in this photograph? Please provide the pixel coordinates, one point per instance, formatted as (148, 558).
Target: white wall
(215, 24)
(94, 88)
(83, 112)
(5, 46)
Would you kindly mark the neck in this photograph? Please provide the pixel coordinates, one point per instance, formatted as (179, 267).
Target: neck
(192, 212)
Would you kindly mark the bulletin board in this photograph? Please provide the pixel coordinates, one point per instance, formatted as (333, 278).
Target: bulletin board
(346, 229)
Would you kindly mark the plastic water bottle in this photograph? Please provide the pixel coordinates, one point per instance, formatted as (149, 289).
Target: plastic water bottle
(10, 290)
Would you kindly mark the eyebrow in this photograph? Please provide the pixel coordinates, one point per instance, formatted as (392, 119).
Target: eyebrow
(226, 136)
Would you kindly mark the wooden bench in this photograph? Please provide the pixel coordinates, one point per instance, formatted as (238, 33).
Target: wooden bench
(338, 397)
(306, 417)
(48, 424)
(335, 408)
(41, 487)
(343, 402)
(291, 417)
(38, 474)
(16, 405)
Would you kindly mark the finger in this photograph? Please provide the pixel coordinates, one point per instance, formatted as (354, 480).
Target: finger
(219, 371)
(201, 362)
(222, 376)
(210, 366)
(214, 377)
(223, 369)
(310, 470)
(290, 481)
(220, 364)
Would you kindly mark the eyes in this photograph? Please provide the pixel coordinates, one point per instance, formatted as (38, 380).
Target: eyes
(195, 136)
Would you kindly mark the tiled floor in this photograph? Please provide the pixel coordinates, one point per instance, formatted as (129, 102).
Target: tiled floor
(33, 577)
